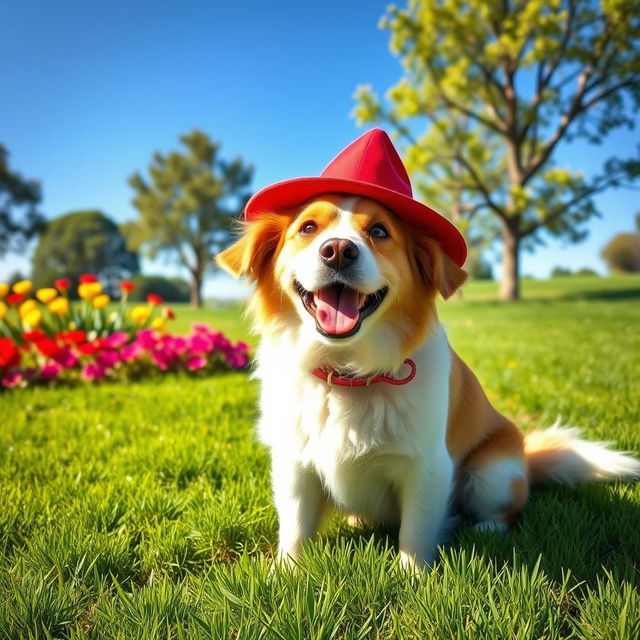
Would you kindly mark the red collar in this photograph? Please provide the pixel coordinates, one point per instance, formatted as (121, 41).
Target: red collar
(333, 378)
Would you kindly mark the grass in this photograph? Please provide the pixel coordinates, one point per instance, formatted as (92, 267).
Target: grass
(143, 510)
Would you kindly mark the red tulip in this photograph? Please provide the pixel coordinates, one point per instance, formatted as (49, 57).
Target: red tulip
(62, 284)
(88, 277)
(127, 286)
(168, 313)
(74, 337)
(154, 299)
(48, 347)
(32, 336)
(9, 355)
(89, 348)
(15, 298)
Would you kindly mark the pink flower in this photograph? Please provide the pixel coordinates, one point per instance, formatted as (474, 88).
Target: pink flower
(162, 359)
(93, 371)
(200, 344)
(147, 339)
(49, 371)
(66, 358)
(116, 340)
(131, 352)
(107, 358)
(196, 362)
(11, 379)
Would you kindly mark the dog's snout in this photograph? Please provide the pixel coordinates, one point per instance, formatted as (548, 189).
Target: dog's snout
(339, 253)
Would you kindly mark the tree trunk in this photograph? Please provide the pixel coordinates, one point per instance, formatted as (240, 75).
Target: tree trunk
(510, 284)
(196, 290)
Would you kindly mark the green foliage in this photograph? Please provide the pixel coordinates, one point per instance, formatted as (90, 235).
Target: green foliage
(83, 242)
(586, 271)
(170, 289)
(20, 219)
(187, 205)
(622, 253)
(490, 91)
(477, 266)
(156, 520)
(560, 272)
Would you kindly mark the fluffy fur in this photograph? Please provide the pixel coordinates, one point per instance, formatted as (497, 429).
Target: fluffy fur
(383, 453)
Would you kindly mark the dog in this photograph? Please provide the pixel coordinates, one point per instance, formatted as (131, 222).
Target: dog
(364, 405)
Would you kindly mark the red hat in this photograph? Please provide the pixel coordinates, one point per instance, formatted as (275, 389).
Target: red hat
(371, 167)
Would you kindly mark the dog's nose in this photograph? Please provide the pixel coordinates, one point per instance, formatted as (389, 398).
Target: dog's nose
(339, 253)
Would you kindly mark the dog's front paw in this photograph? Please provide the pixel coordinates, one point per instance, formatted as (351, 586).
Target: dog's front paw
(414, 565)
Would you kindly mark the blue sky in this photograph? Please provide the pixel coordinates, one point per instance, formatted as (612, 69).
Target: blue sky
(91, 90)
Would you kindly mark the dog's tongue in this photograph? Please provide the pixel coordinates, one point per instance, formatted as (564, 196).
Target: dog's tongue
(337, 310)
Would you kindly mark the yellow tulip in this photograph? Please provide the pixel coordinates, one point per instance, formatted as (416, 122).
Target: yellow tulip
(26, 307)
(33, 318)
(101, 301)
(59, 306)
(158, 324)
(140, 314)
(3, 310)
(23, 287)
(4, 289)
(46, 295)
(89, 290)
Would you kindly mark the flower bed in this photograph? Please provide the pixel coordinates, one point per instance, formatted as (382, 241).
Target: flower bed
(48, 339)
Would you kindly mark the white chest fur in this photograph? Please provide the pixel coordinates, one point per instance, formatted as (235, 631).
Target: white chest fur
(360, 442)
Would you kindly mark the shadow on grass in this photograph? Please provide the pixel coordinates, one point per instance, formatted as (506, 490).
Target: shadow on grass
(603, 294)
(589, 531)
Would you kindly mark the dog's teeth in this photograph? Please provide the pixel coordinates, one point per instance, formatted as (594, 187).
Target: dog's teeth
(362, 298)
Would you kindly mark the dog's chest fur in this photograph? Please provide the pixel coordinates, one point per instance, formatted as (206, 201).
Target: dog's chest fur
(360, 441)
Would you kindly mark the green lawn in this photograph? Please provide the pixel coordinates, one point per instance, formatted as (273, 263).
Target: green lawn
(143, 510)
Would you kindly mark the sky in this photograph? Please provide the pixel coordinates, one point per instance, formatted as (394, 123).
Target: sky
(91, 90)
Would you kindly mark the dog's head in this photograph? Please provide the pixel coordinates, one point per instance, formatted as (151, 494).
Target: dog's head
(348, 273)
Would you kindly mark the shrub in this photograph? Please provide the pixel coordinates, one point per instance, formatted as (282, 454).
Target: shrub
(172, 290)
(560, 272)
(622, 253)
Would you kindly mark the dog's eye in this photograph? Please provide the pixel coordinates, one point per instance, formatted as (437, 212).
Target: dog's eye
(308, 228)
(378, 231)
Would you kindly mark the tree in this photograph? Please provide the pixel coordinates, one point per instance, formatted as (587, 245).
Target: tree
(187, 206)
(170, 289)
(560, 272)
(477, 266)
(622, 253)
(83, 242)
(491, 90)
(20, 219)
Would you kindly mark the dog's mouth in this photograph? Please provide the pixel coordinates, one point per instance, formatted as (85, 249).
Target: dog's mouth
(338, 309)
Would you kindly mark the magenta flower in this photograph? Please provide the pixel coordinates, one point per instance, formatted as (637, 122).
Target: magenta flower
(93, 371)
(49, 371)
(131, 352)
(116, 340)
(199, 343)
(196, 362)
(66, 358)
(107, 358)
(11, 379)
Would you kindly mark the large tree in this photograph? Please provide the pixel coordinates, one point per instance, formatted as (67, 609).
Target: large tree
(83, 242)
(187, 205)
(20, 219)
(490, 92)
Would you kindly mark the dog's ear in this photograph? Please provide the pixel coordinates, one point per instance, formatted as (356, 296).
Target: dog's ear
(257, 245)
(436, 268)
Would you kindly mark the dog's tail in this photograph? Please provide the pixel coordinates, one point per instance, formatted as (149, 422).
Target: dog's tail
(559, 455)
